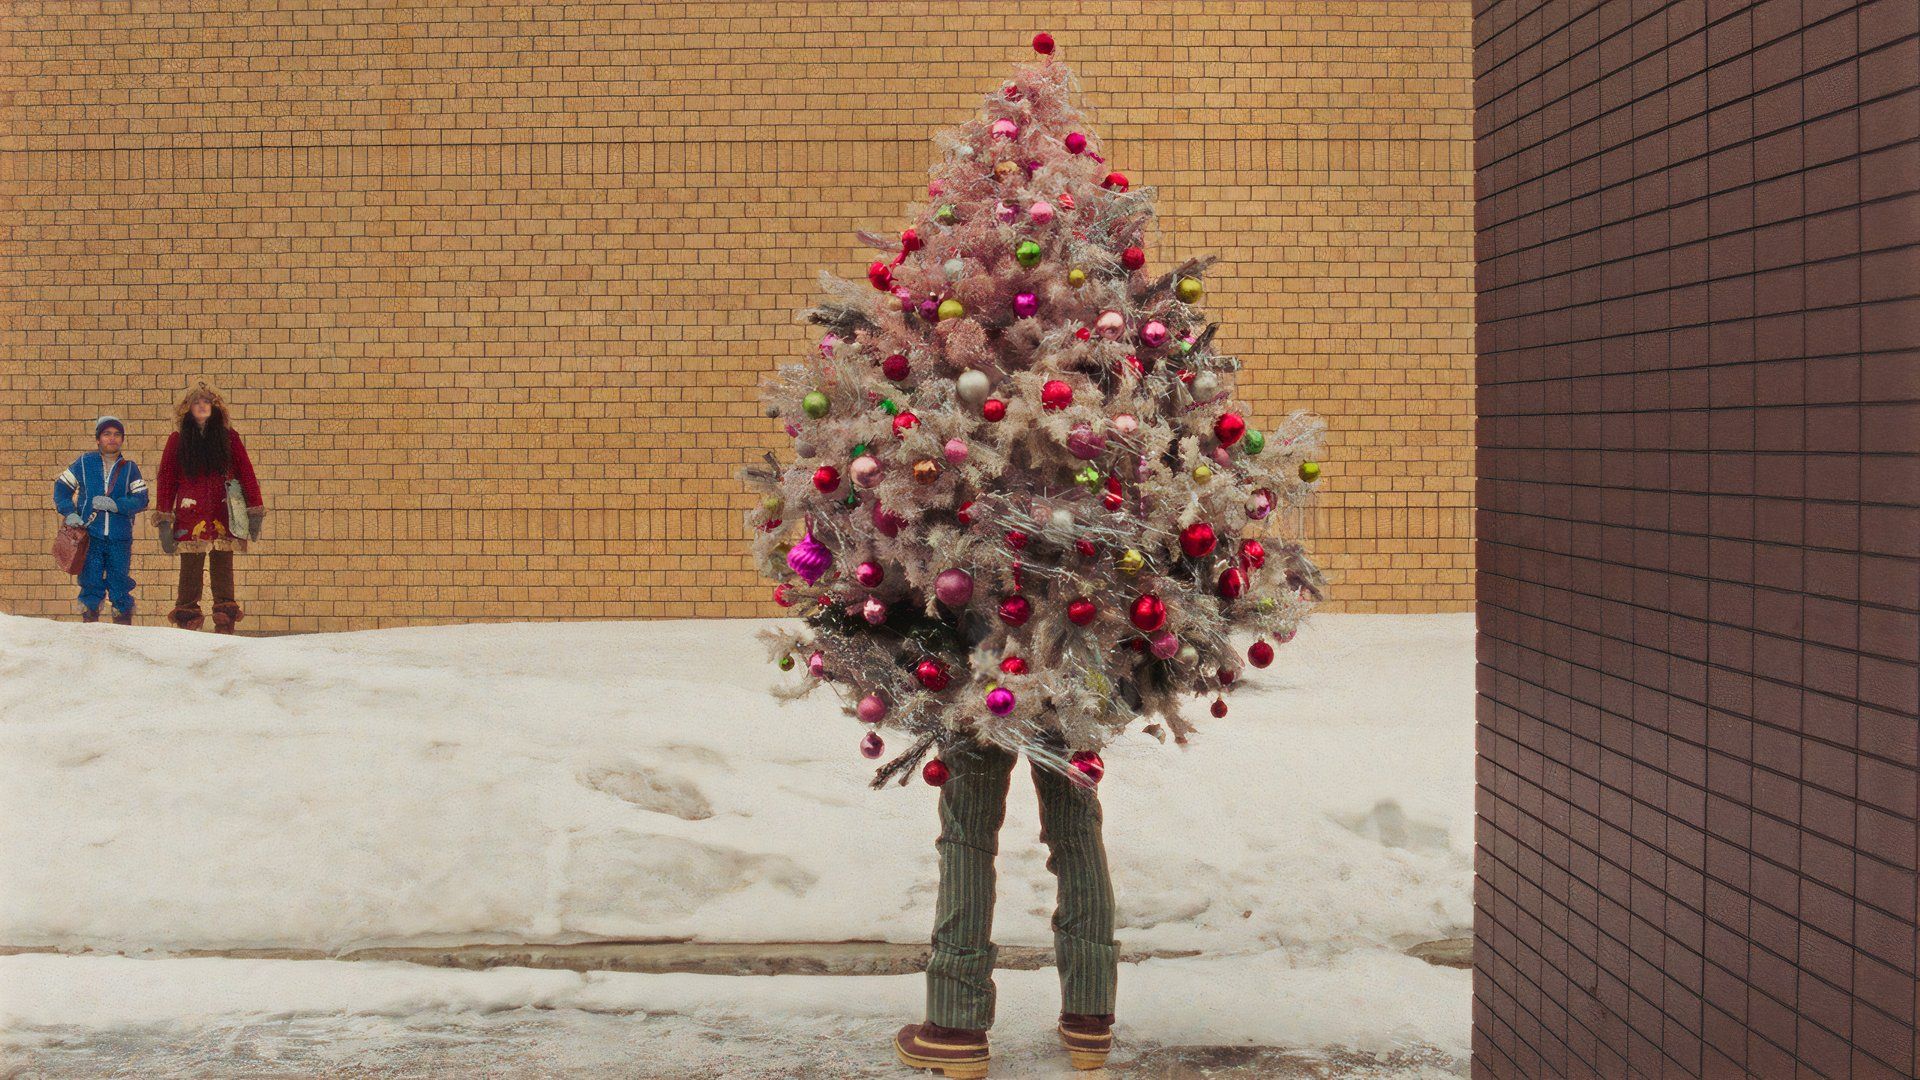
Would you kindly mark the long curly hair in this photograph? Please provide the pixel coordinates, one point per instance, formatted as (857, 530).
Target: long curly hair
(203, 449)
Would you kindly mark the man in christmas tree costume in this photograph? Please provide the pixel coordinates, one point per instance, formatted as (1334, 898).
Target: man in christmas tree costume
(1021, 488)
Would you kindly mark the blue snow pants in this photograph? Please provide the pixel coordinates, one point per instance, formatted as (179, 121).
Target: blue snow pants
(106, 574)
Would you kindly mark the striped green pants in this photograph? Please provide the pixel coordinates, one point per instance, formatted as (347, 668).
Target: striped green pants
(973, 803)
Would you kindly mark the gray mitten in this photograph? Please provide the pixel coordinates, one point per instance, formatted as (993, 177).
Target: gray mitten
(255, 518)
(105, 504)
(168, 541)
(75, 520)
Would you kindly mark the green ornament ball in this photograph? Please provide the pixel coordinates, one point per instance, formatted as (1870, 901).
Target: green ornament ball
(1264, 605)
(1254, 442)
(816, 404)
(1189, 290)
(1183, 347)
(945, 214)
(951, 309)
(1028, 253)
(890, 407)
(1309, 471)
(1088, 477)
(859, 448)
(852, 500)
(786, 663)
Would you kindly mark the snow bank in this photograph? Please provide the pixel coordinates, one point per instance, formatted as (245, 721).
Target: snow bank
(558, 782)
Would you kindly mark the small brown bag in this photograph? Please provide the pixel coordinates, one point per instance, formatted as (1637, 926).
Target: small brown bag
(70, 548)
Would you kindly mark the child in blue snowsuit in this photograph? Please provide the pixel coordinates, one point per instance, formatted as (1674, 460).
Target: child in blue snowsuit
(103, 491)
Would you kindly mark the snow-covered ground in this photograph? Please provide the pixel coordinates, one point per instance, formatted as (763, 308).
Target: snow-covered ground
(163, 792)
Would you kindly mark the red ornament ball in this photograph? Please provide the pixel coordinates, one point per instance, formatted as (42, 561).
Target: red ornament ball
(1013, 665)
(780, 595)
(1253, 555)
(1082, 611)
(1133, 258)
(1219, 708)
(1083, 333)
(1089, 765)
(1227, 675)
(1116, 181)
(1085, 547)
(902, 422)
(932, 674)
(994, 410)
(1015, 610)
(1233, 582)
(826, 478)
(1229, 428)
(963, 516)
(1260, 654)
(1043, 43)
(1149, 613)
(936, 773)
(1056, 395)
(1113, 501)
(895, 367)
(910, 240)
(881, 275)
(1016, 539)
(1197, 539)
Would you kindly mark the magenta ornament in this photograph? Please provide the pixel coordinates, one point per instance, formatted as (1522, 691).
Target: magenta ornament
(1154, 333)
(956, 451)
(1164, 645)
(809, 558)
(887, 522)
(1084, 444)
(874, 610)
(929, 310)
(1025, 304)
(872, 746)
(1221, 457)
(1041, 212)
(1262, 504)
(873, 709)
(1076, 142)
(1000, 701)
(1004, 128)
(793, 430)
(1004, 213)
(954, 587)
(869, 574)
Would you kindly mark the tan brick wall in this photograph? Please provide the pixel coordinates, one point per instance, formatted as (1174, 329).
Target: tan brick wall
(490, 285)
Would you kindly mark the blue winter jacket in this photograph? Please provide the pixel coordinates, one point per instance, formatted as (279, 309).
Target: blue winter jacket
(74, 490)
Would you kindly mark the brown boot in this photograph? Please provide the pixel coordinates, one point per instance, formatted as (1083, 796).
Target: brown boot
(91, 614)
(122, 618)
(955, 1053)
(187, 618)
(224, 616)
(1088, 1039)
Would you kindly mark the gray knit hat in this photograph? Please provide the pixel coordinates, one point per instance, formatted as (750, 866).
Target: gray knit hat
(106, 422)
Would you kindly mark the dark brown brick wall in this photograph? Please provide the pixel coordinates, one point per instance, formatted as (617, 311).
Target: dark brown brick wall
(1699, 537)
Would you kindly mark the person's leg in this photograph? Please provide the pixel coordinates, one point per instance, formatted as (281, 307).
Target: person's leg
(226, 609)
(93, 578)
(960, 992)
(186, 603)
(1083, 919)
(119, 579)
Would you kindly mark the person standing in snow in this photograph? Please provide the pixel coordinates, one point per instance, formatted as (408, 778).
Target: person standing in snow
(104, 490)
(203, 454)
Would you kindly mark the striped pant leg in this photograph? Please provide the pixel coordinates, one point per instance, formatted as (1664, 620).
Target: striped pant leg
(973, 803)
(1083, 919)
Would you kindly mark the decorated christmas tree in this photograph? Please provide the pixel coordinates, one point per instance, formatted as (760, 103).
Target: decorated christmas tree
(1024, 507)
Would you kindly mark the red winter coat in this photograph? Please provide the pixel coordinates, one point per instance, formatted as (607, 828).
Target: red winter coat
(198, 503)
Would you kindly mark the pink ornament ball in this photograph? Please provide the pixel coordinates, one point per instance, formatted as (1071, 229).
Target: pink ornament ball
(1041, 212)
(866, 470)
(1110, 325)
(1125, 424)
(1000, 701)
(1154, 333)
(872, 746)
(1084, 444)
(1165, 645)
(956, 451)
(886, 522)
(1025, 304)
(954, 587)
(1004, 128)
(873, 709)
(1262, 504)
(1004, 213)
(936, 187)
(869, 574)
(1088, 764)
(1076, 142)
(929, 311)
(874, 611)
(817, 666)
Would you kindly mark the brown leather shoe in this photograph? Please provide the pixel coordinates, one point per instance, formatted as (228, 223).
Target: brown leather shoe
(1088, 1039)
(90, 614)
(122, 618)
(955, 1053)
